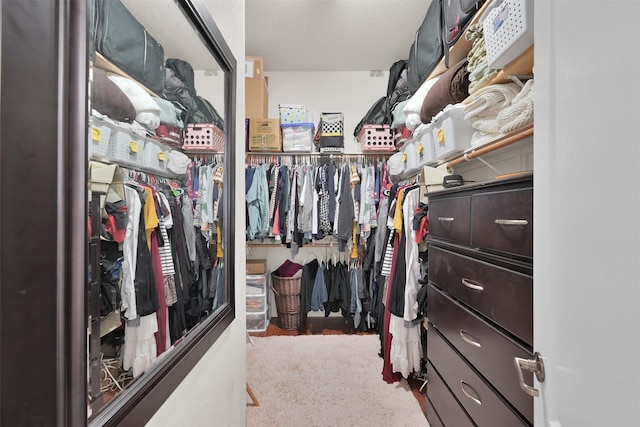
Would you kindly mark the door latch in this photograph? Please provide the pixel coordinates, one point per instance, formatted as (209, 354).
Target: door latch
(536, 366)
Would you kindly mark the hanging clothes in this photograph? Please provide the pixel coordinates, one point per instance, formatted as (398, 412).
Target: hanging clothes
(406, 348)
(319, 294)
(346, 209)
(309, 272)
(258, 205)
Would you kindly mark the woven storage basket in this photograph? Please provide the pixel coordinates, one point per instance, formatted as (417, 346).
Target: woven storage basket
(287, 293)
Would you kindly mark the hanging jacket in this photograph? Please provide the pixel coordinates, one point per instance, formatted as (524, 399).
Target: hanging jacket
(145, 289)
(346, 213)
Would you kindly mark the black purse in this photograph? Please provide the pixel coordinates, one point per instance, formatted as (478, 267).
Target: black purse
(456, 16)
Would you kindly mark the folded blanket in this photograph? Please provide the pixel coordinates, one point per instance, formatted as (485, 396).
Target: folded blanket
(520, 113)
(489, 100)
(480, 138)
(414, 104)
(451, 88)
(399, 119)
(486, 77)
(147, 111)
(169, 114)
(501, 116)
(107, 98)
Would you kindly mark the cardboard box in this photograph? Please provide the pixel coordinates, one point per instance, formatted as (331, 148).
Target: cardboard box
(256, 99)
(253, 67)
(256, 266)
(265, 135)
(292, 113)
(107, 180)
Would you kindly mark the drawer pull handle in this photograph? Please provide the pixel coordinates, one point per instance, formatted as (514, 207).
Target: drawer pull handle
(469, 339)
(469, 393)
(445, 219)
(472, 285)
(512, 222)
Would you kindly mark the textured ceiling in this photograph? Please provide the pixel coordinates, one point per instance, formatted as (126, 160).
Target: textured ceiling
(332, 35)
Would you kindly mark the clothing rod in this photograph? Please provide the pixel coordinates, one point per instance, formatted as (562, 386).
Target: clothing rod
(331, 155)
(132, 174)
(500, 143)
(305, 246)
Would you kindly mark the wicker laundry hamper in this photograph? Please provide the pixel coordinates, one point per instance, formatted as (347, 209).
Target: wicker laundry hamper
(287, 293)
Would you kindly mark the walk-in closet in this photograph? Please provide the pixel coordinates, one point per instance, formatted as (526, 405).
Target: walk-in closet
(314, 212)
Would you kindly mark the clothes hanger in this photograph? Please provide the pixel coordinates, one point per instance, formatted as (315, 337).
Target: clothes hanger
(307, 257)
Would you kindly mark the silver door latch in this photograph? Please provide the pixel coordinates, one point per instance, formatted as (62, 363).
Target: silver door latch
(536, 366)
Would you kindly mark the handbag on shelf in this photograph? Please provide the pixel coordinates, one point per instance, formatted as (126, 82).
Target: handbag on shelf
(456, 16)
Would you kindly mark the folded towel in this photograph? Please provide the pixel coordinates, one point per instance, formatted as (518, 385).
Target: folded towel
(520, 113)
(489, 100)
(516, 115)
(147, 111)
(480, 138)
(399, 118)
(412, 121)
(170, 114)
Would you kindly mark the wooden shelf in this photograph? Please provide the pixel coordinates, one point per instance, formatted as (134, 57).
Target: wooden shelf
(502, 142)
(521, 66)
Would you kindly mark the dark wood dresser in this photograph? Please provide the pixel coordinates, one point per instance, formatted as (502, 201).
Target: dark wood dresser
(480, 304)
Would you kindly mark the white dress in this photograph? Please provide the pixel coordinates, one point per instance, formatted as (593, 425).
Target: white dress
(406, 347)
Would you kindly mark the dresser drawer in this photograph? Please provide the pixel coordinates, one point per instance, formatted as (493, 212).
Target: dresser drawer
(504, 296)
(488, 350)
(432, 416)
(503, 221)
(484, 406)
(447, 408)
(450, 219)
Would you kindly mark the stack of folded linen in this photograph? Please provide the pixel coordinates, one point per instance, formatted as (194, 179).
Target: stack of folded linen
(478, 67)
(499, 109)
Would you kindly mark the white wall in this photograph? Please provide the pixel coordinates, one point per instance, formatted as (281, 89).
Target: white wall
(214, 391)
(349, 92)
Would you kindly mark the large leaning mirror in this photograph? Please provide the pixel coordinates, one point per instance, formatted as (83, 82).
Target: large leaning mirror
(160, 253)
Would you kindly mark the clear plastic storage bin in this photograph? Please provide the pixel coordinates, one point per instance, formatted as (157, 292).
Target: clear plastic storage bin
(257, 284)
(256, 304)
(297, 137)
(258, 322)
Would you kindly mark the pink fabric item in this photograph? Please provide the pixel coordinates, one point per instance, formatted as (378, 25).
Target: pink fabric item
(161, 335)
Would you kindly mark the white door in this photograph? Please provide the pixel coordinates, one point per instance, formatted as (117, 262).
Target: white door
(587, 212)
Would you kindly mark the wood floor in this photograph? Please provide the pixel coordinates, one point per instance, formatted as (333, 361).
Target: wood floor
(334, 325)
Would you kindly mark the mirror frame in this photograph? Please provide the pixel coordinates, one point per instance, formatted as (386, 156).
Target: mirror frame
(43, 204)
(137, 404)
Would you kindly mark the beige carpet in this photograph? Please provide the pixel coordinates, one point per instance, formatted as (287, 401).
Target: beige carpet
(325, 380)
